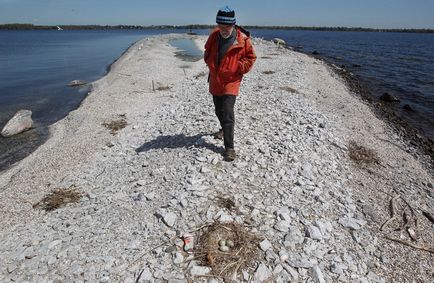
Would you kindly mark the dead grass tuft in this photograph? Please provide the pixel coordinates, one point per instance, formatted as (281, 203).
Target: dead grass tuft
(116, 125)
(268, 72)
(362, 155)
(226, 203)
(241, 256)
(59, 198)
(289, 89)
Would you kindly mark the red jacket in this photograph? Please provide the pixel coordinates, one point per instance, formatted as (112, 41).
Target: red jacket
(238, 60)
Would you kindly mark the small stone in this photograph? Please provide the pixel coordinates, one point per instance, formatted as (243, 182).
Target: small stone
(338, 268)
(282, 226)
(384, 259)
(169, 218)
(141, 183)
(350, 223)
(375, 278)
(225, 218)
(318, 277)
(204, 169)
(265, 245)
(300, 263)
(262, 273)
(76, 83)
(178, 258)
(314, 233)
(54, 243)
(199, 270)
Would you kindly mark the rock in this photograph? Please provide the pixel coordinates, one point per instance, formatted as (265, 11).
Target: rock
(407, 107)
(300, 263)
(375, 278)
(282, 226)
(178, 258)
(20, 122)
(169, 218)
(351, 223)
(338, 268)
(265, 245)
(283, 214)
(314, 233)
(294, 236)
(76, 83)
(387, 97)
(317, 275)
(262, 273)
(199, 270)
(224, 218)
(279, 41)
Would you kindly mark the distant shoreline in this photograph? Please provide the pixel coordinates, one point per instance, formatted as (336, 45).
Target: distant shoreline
(16, 26)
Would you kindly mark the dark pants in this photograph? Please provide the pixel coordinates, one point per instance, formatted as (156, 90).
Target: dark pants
(224, 109)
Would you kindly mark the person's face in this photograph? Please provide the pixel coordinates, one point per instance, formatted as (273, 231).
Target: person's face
(225, 30)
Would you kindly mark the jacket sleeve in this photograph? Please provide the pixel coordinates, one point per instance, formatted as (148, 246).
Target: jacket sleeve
(245, 64)
(207, 50)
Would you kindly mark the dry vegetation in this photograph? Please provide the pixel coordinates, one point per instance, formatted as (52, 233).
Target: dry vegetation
(59, 198)
(116, 125)
(362, 155)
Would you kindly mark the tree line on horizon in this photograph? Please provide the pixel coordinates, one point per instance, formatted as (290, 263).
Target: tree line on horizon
(16, 26)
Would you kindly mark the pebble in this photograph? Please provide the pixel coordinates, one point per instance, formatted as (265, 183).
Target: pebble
(314, 233)
(199, 270)
(265, 245)
(262, 273)
(318, 277)
(169, 218)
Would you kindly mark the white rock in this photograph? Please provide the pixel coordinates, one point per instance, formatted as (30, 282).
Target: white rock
(265, 245)
(199, 270)
(20, 122)
(314, 233)
(317, 275)
(169, 218)
(262, 273)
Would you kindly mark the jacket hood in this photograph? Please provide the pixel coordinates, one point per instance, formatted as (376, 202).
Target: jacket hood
(243, 30)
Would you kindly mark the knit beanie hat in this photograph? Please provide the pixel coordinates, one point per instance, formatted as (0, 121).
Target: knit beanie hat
(226, 16)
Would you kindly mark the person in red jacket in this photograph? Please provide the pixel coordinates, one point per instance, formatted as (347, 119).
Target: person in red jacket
(229, 55)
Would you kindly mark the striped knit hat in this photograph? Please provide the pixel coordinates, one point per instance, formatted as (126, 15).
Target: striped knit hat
(226, 16)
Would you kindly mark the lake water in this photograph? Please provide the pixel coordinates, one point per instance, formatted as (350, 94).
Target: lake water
(36, 66)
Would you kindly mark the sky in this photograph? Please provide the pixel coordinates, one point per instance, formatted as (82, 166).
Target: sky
(348, 13)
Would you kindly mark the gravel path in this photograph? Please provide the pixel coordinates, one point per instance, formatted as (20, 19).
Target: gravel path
(317, 211)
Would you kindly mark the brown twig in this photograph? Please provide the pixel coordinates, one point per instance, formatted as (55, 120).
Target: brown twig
(431, 250)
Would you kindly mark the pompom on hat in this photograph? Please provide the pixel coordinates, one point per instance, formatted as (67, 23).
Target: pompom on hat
(226, 16)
